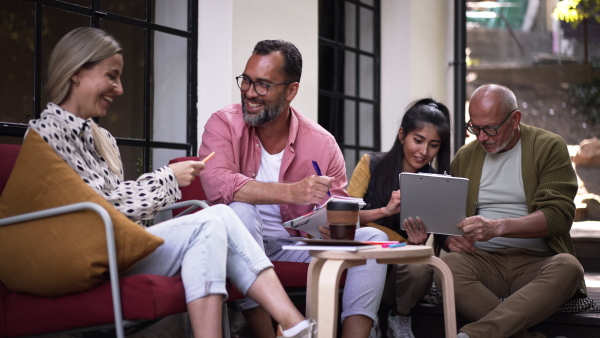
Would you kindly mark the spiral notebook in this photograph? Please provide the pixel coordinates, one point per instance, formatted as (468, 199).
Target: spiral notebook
(439, 200)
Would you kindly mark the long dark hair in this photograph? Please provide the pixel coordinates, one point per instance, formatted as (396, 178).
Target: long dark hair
(418, 114)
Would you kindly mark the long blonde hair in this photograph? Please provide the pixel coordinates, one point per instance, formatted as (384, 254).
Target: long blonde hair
(82, 48)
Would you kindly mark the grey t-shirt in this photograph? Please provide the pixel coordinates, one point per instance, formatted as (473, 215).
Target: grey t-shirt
(501, 195)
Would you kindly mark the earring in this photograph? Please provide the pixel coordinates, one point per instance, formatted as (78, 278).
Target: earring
(76, 82)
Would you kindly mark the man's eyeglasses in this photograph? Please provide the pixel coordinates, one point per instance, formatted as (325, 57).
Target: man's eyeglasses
(489, 131)
(260, 88)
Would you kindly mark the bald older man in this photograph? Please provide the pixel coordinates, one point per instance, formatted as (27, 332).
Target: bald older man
(515, 264)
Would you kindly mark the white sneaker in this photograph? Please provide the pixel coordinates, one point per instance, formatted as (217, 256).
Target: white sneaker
(399, 327)
(309, 332)
(375, 330)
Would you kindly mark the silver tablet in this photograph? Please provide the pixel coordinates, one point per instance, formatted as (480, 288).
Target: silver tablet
(439, 200)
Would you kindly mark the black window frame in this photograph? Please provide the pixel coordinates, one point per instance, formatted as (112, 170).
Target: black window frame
(95, 14)
(333, 119)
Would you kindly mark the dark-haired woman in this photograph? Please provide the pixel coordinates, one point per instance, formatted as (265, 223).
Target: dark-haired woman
(422, 145)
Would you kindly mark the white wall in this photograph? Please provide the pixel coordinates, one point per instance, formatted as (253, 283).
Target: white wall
(215, 50)
(296, 21)
(228, 31)
(415, 56)
(417, 41)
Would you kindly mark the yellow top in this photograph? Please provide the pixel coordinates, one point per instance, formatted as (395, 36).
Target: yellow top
(359, 183)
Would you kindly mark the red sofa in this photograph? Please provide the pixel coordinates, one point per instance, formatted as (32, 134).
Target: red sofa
(143, 297)
(24, 314)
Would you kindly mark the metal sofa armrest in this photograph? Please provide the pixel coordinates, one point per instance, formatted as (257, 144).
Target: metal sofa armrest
(192, 204)
(110, 245)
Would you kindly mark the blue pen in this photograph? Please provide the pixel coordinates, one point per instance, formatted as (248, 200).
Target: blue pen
(396, 245)
(318, 170)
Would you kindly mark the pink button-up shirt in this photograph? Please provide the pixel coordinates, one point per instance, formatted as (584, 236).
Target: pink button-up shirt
(237, 157)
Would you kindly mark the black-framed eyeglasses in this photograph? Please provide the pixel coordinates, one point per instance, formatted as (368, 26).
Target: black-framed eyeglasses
(489, 131)
(259, 87)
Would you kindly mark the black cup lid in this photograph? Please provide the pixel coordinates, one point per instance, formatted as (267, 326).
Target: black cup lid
(337, 205)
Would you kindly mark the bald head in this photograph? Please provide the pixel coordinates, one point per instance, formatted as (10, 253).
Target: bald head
(496, 98)
(495, 118)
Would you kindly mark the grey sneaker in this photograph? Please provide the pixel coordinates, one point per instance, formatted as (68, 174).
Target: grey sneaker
(399, 327)
(309, 332)
(375, 330)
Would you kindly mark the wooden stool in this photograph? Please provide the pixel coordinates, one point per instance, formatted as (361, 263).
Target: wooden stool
(326, 268)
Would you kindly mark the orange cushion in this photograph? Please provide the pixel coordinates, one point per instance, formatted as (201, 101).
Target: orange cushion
(63, 254)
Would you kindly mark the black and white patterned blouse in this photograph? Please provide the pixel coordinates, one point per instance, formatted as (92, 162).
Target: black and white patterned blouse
(71, 137)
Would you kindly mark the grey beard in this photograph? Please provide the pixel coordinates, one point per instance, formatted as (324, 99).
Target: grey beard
(502, 146)
(269, 113)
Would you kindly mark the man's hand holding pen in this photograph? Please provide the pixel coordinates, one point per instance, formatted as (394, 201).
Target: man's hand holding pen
(311, 190)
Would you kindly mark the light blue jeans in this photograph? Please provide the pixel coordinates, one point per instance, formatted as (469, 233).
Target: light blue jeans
(206, 248)
(364, 283)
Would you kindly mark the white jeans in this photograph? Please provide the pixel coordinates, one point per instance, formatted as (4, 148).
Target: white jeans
(206, 248)
(364, 283)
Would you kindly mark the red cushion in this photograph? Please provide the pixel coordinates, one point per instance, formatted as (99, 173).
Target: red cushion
(4, 293)
(143, 297)
(193, 191)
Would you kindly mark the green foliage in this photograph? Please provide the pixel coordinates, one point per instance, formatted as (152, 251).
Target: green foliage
(575, 11)
(586, 99)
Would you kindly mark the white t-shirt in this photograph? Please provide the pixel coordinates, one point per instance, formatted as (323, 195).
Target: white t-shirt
(501, 195)
(268, 172)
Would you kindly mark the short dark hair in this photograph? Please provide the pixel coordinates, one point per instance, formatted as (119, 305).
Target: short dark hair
(292, 65)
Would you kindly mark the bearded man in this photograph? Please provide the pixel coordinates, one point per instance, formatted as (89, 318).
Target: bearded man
(263, 170)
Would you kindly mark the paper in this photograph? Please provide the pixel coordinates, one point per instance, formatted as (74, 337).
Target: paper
(311, 222)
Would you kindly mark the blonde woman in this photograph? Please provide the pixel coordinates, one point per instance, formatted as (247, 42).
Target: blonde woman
(84, 79)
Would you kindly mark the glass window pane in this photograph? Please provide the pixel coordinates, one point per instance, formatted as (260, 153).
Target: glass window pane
(542, 61)
(161, 157)
(366, 120)
(133, 161)
(350, 73)
(368, 2)
(11, 140)
(84, 3)
(125, 117)
(326, 74)
(367, 80)
(366, 30)
(16, 36)
(350, 159)
(171, 13)
(350, 25)
(327, 115)
(349, 116)
(130, 8)
(55, 25)
(327, 21)
(169, 88)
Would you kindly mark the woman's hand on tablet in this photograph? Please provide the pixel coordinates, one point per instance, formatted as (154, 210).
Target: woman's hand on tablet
(415, 230)
(393, 206)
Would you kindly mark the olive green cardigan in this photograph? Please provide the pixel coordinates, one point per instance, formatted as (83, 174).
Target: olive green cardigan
(549, 181)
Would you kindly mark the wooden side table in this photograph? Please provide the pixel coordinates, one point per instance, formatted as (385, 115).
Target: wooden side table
(326, 268)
